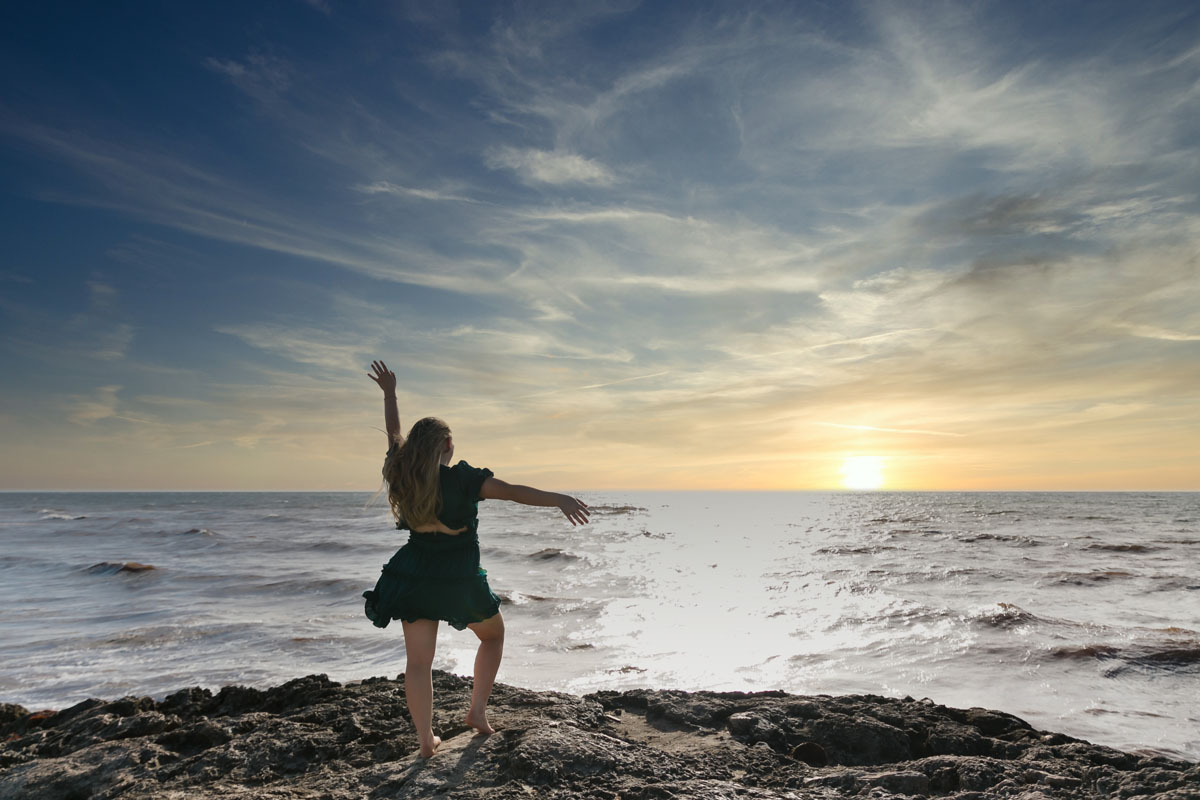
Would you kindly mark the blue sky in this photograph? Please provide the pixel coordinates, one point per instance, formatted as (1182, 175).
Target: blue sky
(668, 245)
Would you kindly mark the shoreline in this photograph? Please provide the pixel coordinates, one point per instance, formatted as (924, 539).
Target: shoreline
(312, 737)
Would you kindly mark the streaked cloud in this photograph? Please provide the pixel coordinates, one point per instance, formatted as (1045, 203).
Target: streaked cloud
(542, 166)
(259, 75)
(102, 405)
(384, 187)
(1149, 332)
(889, 430)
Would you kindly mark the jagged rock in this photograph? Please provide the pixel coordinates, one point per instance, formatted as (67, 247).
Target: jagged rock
(10, 713)
(312, 737)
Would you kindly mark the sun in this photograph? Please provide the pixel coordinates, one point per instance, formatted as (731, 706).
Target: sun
(862, 472)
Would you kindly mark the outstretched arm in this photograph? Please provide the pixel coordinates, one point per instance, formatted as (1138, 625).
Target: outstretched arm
(496, 489)
(387, 382)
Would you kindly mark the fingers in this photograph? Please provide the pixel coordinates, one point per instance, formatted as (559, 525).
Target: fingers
(577, 513)
(381, 371)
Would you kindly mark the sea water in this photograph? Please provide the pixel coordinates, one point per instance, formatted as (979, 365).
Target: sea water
(1079, 612)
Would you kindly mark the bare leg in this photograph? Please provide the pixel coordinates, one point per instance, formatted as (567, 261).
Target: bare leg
(487, 663)
(420, 639)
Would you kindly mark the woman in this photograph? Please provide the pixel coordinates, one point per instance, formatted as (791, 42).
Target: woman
(436, 575)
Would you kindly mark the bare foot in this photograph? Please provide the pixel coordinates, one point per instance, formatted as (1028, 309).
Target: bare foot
(478, 721)
(426, 752)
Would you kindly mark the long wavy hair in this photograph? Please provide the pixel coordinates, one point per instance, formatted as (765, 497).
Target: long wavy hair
(411, 473)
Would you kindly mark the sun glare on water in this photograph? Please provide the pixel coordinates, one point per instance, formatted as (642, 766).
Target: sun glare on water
(862, 472)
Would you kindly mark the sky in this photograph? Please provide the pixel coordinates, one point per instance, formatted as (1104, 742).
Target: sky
(615, 245)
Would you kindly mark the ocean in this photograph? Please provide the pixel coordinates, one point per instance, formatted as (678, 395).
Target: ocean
(1079, 612)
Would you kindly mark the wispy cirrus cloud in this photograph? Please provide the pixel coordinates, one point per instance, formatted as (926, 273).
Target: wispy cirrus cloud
(385, 187)
(550, 167)
(320, 348)
(100, 328)
(262, 76)
(912, 431)
(1149, 332)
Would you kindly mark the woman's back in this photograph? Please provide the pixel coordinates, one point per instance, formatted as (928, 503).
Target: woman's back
(458, 510)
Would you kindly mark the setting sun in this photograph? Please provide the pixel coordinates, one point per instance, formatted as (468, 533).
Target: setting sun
(862, 472)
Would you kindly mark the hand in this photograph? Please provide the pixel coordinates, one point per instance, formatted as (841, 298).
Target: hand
(385, 378)
(575, 510)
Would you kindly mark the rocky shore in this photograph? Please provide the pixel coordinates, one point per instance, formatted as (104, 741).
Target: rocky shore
(313, 738)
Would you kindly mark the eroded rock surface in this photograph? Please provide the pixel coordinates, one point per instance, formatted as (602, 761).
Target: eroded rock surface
(313, 738)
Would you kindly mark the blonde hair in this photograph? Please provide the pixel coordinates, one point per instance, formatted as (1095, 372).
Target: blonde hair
(411, 473)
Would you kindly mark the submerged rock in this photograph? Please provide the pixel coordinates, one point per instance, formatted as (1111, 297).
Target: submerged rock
(311, 737)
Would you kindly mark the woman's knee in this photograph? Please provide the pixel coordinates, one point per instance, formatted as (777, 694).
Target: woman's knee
(490, 630)
(418, 664)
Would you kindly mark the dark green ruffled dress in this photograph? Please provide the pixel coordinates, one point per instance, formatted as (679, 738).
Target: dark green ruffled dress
(437, 575)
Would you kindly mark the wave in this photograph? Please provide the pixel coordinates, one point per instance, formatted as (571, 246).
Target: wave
(1005, 615)
(195, 535)
(274, 518)
(1001, 615)
(1174, 582)
(1085, 651)
(519, 598)
(1170, 656)
(158, 635)
(1086, 578)
(614, 510)
(114, 567)
(894, 532)
(1023, 541)
(553, 554)
(308, 586)
(866, 549)
(330, 547)
(895, 613)
(48, 514)
(1123, 548)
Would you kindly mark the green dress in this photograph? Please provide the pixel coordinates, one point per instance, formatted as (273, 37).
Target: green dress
(437, 575)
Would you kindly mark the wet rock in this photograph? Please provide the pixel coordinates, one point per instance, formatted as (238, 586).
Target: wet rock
(558, 752)
(312, 737)
(753, 730)
(810, 753)
(195, 737)
(10, 713)
(906, 782)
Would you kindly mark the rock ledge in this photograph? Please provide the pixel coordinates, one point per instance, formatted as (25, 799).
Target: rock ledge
(313, 738)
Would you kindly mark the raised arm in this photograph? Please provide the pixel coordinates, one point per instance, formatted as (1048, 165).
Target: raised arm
(387, 382)
(496, 489)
